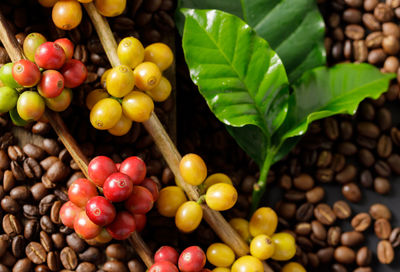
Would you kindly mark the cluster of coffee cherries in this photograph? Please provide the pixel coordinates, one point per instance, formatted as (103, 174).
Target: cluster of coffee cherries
(167, 259)
(49, 69)
(131, 87)
(67, 14)
(127, 196)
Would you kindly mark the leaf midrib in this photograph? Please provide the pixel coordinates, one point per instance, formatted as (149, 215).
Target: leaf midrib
(264, 128)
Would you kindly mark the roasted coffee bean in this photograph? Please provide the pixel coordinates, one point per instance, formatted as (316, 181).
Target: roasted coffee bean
(338, 34)
(324, 214)
(352, 16)
(331, 128)
(324, 159)
(30, 211)
(32, 168)
(347, 49)
(338, 162)
(46, 203)
(68, 258)
(338, 268)
(315, 195)
(303, 182)
(364, 256)
(22, 265)
(43, 268)
(351, 238)
(376, 56)
(366, 110)
(3, 247)
(4, 160)
(11, 225)
(8, 259)
(318, 230)
(136, 266)
(92, 254)
(47, 182)
(17, 171)
(46, 224)
(366, 142)
(55, 212)
(383, 12)
(354, 32)
(86, 267)
(64, 156)
(305, 244)
(382, 168)
(17, 246)
(36, 253)
(382, 185)
(390, 45)
(394, 237)
(116, 251)
(9, 205)
(366, 157)
(8, 180)
(286, 210)
(58, 240)
(368, 129)
(38, 191)
(344, 255)
(41, 128)
(347, 175)
(363, 269)
(366, 179)
(391, 28)
(48, 162)
(380, 211)
(374, 40)
(15, 153)
(46, 241)
(53, 261)
(393, 91)
(371, 22)
(65, 230)
(57, 172)
(325, 255)
(384, 147)
(50, 145)
(295, 196)
(382, 228)
(303, 228)
(63, 196)
(114, 266)
(305, 212)
(20, 193)
(333, 235)
(33, 151)
(384, 118)
(76, 243)
(31, 229)
(394, 163)
(391, 65)
(352, 192)
(347, 148)
(285, 182)
(361, 222)
(360, 51)
(341, 209)
(385, 252)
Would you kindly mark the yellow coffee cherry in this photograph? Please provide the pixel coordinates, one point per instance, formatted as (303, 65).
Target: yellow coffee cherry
(241, 225)
(95, 96)
(285, 246)
(221, 196)
(162, 91)
(122, 127)
(137, 106)
(247, 264)
(169, 200)
(293, 267)
(263, 221)
(262, 247)
(130, 52)
(188, 216)
(193, 169)
(220, 255)
(216, 178)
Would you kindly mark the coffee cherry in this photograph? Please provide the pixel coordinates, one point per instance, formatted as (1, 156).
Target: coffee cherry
(192, 259)
(163, 266)
(169, 200)
(105, 114)
(67, 46)
(221, 196)
(216, 178)
(152, 186)
(140, 221)
(6, 76)
(293, 267)
(120, 81)
(241, 226)
(162, 91)
(160, 54)
(47, 3)
(117, 187)
(100, 168)
(84, 227)
(135, 168)
(8, 99)
(100, 211)
(122, 127)
(140, 201)
(81, 191)
(137, 106)
(247, 264)
(16, 119)
(95, 96)
(122, 226)
(188, 216)
(67, 14)
(104, 237)
(193, 169)
(31, 43)
(61, 102)
(130, 52)
(68, 212)
(51, 84)
(110, 8)
(50, 55)
(147, 76)
(74, 73)
(262, 247)
(30, 106)
(221, 269)
(166, 253)
(26, 73)
(263, 221)
(103, 78)
(219, 254)
(285, 246)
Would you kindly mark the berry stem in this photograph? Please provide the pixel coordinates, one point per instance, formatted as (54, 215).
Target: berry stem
(168, 148)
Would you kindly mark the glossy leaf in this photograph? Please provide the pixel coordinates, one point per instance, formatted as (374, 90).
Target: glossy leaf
(240, 76)
(294, 29)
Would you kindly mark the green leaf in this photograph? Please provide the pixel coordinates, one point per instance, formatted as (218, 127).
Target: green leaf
(240, 76)
(294, 29)
(324, 92)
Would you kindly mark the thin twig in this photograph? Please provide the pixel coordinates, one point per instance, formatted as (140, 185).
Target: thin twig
(169, 151)
(15, 52)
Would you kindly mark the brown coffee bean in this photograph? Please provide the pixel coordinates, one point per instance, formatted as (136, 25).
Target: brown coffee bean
(385, 252)
(315, 195)
(390, 45)
(32, 168)
(348, 49)
(338, 267)
(42, 268)
(304, 243)
(3, 247)
(17, 246)
(114, 266)
(338, 34)
(286, 210)
(366, 157)
(17, 171)
(366, 142)
(374, 40)
(371, 22)
(20, 193)
(380, 211)
(8, 259)
(30, 211)
(354, 3)
(383, 12)
(304, 212)
(394, 237)
(92, 254)
(394, 163)
(382, 185)
(333, 236)
(324, 214)
(363, 269)
(331, 128)
(337, 50)
(86, 267)
(31, 229)
(391, 65)
(325, 255)
(344, 255)
(382, 168)
(57, 172)
(38, 191)
(68, 258)
(384, 118)
(318, 230)
(8, 180)
(364, 256)
(347, 175)
(46, 224)
(376, 56)
(15, 153)
(50, 145)
(361, 222)
(33, 151)
(324, 175)
(53, 261)
(9, 205)
(285, 182)
(295, 196)
(41, 128)
(58, 240)
(4, 160)
(368, 129)
(382, 228)
(46, 203)
(303, 182)
(338, 162)
(341, 209)
(116, 251)
(137, 266)
(352, 192)
(55, 212)
(352, 16)
(36, 253)
(352, 238)
(76, 243)
(347, 148)
(384, 147)
(395, 135)
(46, 241)
(48, 162)
(360, 51)
(22, 265)
(303, 228)
(391, 28)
